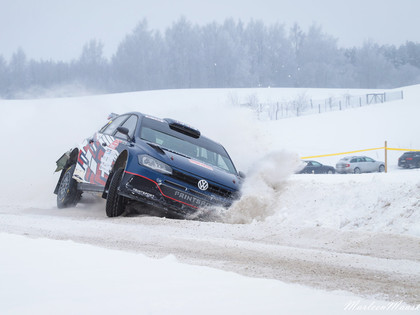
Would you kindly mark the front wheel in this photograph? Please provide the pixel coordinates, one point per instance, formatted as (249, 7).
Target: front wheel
(67, 194)
(115, 202)
(381, 168)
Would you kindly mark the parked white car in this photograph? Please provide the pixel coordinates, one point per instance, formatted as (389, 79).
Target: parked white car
(359, 164)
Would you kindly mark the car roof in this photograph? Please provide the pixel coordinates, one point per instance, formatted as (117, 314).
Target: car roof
(349, 157)
(165, 120)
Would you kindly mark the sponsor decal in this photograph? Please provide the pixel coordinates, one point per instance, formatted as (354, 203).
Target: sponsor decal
(143, 193)
(114, 144)
(95, 161)
(108, 160)
(191, 199)
(201, 164)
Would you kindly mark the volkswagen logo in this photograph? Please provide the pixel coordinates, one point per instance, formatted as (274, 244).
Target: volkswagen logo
(203, 184)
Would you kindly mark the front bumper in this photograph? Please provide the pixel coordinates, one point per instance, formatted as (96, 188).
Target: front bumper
(167, 194)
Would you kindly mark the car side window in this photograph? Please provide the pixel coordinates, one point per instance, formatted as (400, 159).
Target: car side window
(130, 124)
(354, 160)
(368, 159)
(114, 125)
(316, 164)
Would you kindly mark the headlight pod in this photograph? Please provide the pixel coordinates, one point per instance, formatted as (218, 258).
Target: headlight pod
(154, 164)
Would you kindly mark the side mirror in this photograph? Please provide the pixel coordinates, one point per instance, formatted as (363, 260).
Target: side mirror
(124, 131)
(242, 175)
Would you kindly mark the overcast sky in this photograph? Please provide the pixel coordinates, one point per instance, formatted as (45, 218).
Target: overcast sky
(58, 29)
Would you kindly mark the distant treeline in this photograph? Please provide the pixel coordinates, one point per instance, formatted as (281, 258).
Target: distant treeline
(218, 55)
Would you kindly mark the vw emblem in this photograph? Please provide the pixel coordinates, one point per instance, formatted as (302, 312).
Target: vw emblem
(203, 185)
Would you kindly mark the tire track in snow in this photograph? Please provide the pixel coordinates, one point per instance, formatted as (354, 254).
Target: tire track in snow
(320, 258)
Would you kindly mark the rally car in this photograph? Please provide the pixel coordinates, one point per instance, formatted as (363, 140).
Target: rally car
(136, 160)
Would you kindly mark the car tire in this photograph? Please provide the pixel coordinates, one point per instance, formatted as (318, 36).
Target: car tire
(115, 202)
(418, 164)
(67, 194)
(381, 168)
(330, 172)
(356, 170)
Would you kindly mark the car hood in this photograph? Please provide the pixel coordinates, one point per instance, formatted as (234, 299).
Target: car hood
(196, 168)
(204, 171)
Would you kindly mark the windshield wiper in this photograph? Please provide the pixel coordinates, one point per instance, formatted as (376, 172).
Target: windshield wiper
(163, 149)
(178, 153)
(156, 147)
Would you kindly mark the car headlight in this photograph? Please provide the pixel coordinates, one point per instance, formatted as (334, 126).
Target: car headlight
(154, 164)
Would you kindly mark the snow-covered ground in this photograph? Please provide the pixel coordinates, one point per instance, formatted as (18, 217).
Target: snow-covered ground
(363, 227)
(61, 277)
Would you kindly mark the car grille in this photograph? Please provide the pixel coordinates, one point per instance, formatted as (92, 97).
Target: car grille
(192, 180)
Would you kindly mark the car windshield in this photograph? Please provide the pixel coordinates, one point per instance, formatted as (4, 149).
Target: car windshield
(408, 153)
(201, 149)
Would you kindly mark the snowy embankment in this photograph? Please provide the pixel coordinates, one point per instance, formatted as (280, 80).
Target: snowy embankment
(339, 216)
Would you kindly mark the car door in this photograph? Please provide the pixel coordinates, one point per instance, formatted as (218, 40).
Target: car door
(112, 139)
(308, 168)
(416, 159)
(354, 163)
(361, 163)
(371, 165)
(94, 155)
(317, 168)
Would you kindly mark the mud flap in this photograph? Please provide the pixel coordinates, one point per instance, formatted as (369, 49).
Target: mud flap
(62, 161)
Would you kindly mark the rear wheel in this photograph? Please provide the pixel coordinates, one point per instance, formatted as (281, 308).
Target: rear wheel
(418, 164)
(67, 194)
(381, 168)
(330, 172)
(357, 170)
(115, 202)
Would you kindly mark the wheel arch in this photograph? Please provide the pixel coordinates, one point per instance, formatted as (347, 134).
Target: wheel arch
(120, 162)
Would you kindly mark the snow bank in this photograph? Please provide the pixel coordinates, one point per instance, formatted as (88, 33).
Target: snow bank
(62, 277)
(370, 202)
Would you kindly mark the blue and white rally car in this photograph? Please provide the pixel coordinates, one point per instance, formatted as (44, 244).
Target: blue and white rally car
(136, 159)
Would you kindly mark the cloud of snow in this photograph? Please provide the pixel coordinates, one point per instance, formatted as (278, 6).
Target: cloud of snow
(262, 188)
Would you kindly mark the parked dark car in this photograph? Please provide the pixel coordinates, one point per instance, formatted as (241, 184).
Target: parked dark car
(409, 159)
(136, 159)
(314, 167)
